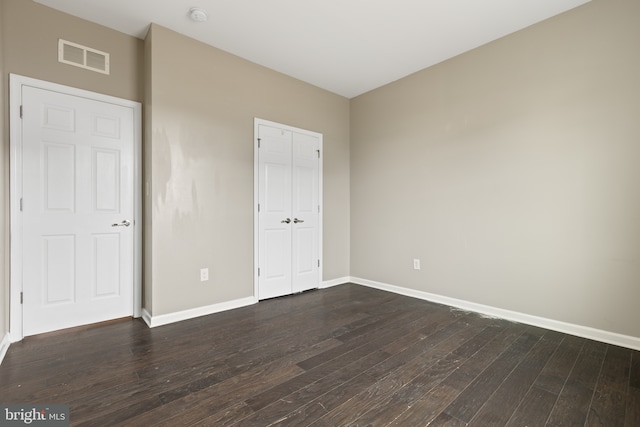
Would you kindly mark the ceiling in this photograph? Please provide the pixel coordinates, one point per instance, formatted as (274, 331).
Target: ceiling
(344, 46)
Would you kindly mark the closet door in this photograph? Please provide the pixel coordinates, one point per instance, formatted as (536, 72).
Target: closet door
(288, 210)
(274, 240)
(305, 212)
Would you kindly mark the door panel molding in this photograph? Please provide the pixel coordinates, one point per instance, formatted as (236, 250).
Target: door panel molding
(59, 119)
(303, 152)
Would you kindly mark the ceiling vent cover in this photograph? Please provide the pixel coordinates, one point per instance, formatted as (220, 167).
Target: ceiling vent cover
(83, 57)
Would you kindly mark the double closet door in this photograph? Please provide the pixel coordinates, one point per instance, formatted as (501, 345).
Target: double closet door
(288, 212)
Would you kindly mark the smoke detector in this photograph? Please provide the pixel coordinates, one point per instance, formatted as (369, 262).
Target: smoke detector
(198, 15)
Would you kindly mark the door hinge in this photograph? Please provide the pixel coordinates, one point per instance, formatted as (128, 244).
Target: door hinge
(318, 153)
(258, 272)
(318, 263)
(258, 207)
(318, 208)
(21, 111)
(21, 205)
(21, 298)
(258, 142)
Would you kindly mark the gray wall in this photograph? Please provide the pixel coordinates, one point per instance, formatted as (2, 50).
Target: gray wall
(199, 157)
(511, 172)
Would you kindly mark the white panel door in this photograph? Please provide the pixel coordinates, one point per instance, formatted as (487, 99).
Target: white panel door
(78, 206)
(275, 212)
(288, 218)
(305, 212)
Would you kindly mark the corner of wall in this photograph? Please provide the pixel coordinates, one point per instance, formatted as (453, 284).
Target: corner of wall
(147, 251)
(4, 346)
(4, 189)
(608, 337)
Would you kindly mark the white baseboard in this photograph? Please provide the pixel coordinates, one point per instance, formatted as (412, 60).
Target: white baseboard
(4, 346)
(165, 319)
(146, 317)
(555, 325)
(334, 282)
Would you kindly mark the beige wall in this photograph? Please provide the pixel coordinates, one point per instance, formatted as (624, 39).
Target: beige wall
(147, 270)
(4, 191)
(511, 172)
(205, 125)
(30, 33)
(200, 143)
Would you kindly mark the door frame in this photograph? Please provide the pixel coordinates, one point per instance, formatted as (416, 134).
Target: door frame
(16, 82)
(256, 197)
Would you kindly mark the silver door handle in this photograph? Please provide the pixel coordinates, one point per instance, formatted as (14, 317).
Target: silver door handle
(124, 223)
(286, 221)
(296, 220)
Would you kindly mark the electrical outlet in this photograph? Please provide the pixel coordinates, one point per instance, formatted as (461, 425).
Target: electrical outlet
(416, 264)
(204, 274)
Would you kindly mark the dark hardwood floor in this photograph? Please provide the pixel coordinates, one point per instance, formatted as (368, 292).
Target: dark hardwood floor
(347, 355)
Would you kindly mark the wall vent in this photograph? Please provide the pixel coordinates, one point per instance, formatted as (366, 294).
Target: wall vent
(83, 57)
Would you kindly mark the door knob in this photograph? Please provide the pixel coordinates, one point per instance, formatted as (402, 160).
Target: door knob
(124, 223)
(286, 221)
(296, 220)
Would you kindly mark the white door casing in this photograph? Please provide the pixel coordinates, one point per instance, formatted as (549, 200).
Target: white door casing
(288, 225)
(75, 167)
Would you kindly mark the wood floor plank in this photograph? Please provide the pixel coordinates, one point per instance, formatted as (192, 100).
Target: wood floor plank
(54, 345)
(356, 356)
(419, 348)
(634, 374)
(220, 396)
(470, 347)
(589, 363)
(306, 412)
(159, 383)
(446, 420)
(555, 373)
(430, 376)
(322, 369)
(632, 416)
(280, 410)
(616, 368)
(534, 409)
(501, 405)
(609, 402)
(281, 339)
(224, 418)
(313, 411)
(429, 406)
(469, 402)
(608, 408)
(470, 370)
(379, 393)
(310, 376)
(389, 409)
(572, 406)
(394, 325)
